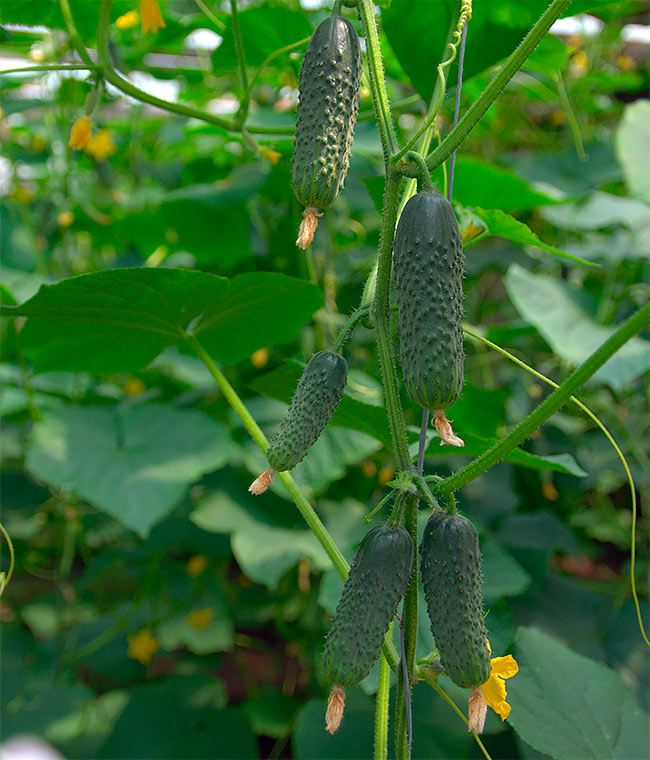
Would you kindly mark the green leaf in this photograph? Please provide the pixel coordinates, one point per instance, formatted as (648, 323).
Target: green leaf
(160, 716)
(264, 29)
(351, 413)
(478, 183)
(121, 319)
(502, 574)
(475, 445)
(568, 706)
(555, 309)
(631, 144)
(503, 225)
(265, 551)
(48, 13)
(134, 463)
(549, 57)
(599, 211)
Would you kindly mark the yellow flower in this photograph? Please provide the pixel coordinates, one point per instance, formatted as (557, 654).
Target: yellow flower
(80, 133)
(201, 619)
(22, 194)
(65, 218)
(385, 474)
(470, 231)
(196, 565)
(492, 693)
(142, 646)
(260, 358)
(101, 145)
(151, 16)
(270, 155)
(127, 20)
(134, 386)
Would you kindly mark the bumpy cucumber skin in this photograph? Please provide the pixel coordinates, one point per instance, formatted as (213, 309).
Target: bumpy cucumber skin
(450, 568)
(318, 394)
(327, 110)
(377, 581)
(428, 267)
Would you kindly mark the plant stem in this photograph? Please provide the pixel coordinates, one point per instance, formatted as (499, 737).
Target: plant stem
(300, 500)
(382, 705)
(628, 473)
(75, 37)
(377, 80)
(241, 62)
(111, 75)
(549, 406)
(347, 328)
(492, 91)
(211, 15)
(45, 68)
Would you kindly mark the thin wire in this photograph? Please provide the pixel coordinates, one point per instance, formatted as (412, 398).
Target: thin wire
(459, 87)
(407, 690)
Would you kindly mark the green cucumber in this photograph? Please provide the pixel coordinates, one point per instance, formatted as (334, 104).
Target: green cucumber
(318, 394)
(450, 568)
(377, 582)
(428, 266)
(327, 111)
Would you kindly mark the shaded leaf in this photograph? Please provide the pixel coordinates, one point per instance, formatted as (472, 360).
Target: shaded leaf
(554, 308)
(632, 145)
(503, 225)
(567, 706)
(121, 319)
(134, 463)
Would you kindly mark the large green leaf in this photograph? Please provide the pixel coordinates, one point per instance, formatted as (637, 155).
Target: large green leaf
(352, 412)
(555, 309)
(264, 551)
(264, 29)
(568, 706)
(503, 225)
(48, 13)
(599, 211)
(478, 183)
(631, 143)
(121, 319)
(169, 718)
(134, 463)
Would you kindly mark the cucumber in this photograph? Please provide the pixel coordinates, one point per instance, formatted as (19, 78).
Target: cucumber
(428, 267)
(318, 394)
(327, 111)
(377, 582)
(451, 575)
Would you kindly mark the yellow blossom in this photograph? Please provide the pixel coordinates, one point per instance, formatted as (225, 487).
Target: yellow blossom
(196, 565)
(101, 145)
(260, 358)
(151, 16)
(142, 646)
(65, 218)
(492, 693)
(134, 386)
(80, 134)
(127, 20)
(201, 619)
(385, 474)
(270, 155)
(471, 230)
(22, 194)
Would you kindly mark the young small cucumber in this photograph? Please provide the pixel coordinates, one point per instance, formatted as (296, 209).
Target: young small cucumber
(451, 575)
(327, 111)
(377, 581)
(318, 394)
(428, 267)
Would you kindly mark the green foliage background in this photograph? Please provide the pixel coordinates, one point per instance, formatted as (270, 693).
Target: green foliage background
(123, 462)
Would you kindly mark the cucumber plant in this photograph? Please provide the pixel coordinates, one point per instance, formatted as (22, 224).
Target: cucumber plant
(424, 260)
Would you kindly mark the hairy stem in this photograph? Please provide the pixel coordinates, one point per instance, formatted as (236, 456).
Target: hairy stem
(382, 704)
(117, 80)
(75, 37)
(548, 407)
(377, 80)
(300, 500)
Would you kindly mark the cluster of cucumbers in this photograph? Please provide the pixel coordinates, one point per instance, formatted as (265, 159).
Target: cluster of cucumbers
(428, 289)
